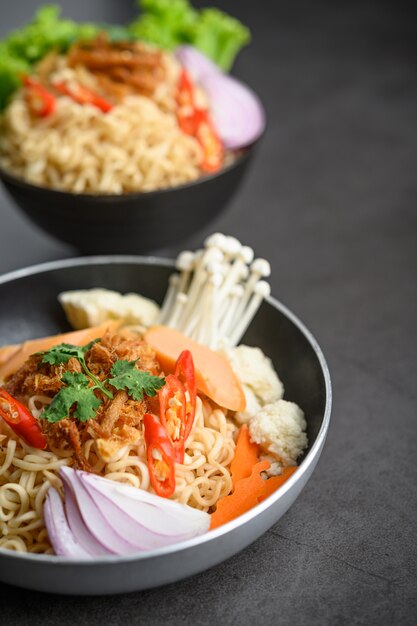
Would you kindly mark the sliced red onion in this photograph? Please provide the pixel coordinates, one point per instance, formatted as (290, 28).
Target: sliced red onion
(196, 62)
(237, 112)
(96, 523)
(60, 535)
(105, 517)
(77, 526)
(178, 521)
(133, 531)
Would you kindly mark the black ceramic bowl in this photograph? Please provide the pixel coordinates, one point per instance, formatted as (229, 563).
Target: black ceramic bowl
(129, 223)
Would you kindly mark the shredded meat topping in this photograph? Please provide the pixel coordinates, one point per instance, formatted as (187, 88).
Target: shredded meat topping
(130, 65)
(113, 411)
(69, 431)
(117, 420)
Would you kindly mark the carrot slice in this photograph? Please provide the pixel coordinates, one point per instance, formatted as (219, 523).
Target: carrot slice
(273, 483)
(213, 373)
(248, 493)
(246, 455)
(6, 353)
(77, 338)
(244, 497)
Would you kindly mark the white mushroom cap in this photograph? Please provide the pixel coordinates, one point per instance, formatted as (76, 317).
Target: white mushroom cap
(215, 267)
(262, 288)
(232, 246)
(185, 261)
(247, 254)
(261, 267)
(216, 280)
(244, 272)
(215, 240)
(212, 254)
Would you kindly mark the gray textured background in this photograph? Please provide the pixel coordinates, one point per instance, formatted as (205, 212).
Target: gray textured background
(331, 201)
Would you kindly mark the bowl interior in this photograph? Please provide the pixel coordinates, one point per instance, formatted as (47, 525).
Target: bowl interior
(30, 309)
(33, 311)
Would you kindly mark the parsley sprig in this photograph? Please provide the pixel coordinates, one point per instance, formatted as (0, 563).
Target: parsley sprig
(79, 389)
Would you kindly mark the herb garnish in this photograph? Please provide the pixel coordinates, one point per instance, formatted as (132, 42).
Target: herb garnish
(65, 351)
(79, 388)
(76, 392)
(137, 383)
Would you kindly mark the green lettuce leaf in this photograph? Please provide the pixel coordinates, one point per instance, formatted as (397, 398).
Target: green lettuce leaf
(170, 23)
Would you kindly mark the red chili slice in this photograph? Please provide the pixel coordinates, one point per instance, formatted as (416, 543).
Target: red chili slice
(160, 454)
(185, 372)
(185, 93)
(197, 122)
(40, 101)
(82, 95)
(210, 142)
(172, 407)
(186, 113)
(21, 420)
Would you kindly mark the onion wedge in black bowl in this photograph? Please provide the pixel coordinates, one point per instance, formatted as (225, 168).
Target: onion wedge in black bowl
(33, 311)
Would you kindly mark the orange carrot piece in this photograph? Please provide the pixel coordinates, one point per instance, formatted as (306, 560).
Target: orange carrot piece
(248, 493)
(246, 455)
(6, 352)
(244, 497)
(273, 483)
(76, 337)
(213, 373)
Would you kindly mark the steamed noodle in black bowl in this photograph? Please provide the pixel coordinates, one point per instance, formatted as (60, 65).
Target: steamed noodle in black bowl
(119, 144)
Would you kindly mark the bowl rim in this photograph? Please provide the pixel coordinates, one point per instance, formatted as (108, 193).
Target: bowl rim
(243, 154)
(233, 524)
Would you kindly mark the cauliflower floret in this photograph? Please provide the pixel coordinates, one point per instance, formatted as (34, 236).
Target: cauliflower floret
(279, 429)
(91, 307)
(251, 408)
(139, 310)
(255, 370)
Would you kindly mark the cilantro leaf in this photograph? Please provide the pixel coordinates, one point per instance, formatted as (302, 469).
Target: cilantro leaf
(76, 392)
(64, 351)
(136, 382)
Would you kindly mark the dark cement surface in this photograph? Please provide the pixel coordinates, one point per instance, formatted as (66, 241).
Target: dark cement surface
(331, 202)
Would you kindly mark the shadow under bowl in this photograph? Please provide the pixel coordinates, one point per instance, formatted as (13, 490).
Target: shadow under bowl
(33, 311)
(129, 223)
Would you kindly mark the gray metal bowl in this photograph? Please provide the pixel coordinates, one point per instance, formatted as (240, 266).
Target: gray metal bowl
(32, 310)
